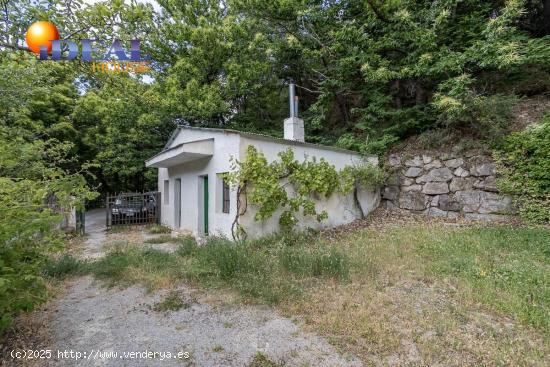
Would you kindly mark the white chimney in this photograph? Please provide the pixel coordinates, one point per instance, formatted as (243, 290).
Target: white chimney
(294, 126)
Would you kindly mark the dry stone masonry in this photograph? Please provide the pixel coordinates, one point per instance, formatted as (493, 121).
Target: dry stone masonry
(446, 185)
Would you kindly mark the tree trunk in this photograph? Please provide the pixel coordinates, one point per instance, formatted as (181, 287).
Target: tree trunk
(546, 16)
(420, 94)
(343, 108)
(396, 90)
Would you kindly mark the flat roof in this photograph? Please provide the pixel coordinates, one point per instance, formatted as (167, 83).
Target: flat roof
(181, 153)
(260, 137)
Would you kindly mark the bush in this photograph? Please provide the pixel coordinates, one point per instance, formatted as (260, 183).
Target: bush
(524, 162)
(26, 236)
(461, 107)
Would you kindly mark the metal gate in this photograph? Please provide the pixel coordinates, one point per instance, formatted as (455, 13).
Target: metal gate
(132, 208)
(80, 222)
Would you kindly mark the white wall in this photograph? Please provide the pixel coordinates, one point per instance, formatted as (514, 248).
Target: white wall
(225, 146)
(341, 209)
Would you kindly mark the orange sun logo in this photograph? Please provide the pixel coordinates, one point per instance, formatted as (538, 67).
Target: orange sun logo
(41, 33)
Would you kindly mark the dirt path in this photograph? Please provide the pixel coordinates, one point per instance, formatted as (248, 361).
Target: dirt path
(91, 319)
(95, 234)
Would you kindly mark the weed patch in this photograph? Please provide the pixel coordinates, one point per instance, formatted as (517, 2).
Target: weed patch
(124, 266)
(172, 302)
(218, 348)
(273, 270)
(309, 261)
(62, 267)
(158, 229)
(161, 239)
(261, 360)
(188, 246)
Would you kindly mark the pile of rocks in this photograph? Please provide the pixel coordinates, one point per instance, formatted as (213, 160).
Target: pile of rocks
(447, 185)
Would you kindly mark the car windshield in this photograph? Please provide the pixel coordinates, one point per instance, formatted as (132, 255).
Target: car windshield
(131, 201)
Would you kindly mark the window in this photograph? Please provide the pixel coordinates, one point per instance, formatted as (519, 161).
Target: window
(166, 192)
(225, 196)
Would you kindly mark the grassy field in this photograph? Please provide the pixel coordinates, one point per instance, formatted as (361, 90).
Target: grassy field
(434, 294)
(402, 293)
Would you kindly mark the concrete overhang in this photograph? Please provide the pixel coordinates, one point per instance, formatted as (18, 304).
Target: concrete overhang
(182, 153)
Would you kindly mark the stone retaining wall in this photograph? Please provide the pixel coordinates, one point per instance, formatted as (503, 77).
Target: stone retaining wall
(446, 184)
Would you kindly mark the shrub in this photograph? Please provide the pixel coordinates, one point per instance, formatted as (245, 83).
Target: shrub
(297, 238)
(465, 109)
(26, 236)
(524, 162)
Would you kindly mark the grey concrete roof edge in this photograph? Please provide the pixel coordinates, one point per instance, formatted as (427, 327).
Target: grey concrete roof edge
(255, 136)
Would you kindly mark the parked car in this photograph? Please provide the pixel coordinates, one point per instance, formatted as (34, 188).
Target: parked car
(133, 208)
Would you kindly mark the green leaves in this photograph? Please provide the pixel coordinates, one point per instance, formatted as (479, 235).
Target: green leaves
(291, 186)
(524, 162)
(38, 172)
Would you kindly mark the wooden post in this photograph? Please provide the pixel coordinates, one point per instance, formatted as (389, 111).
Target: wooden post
(107, 210)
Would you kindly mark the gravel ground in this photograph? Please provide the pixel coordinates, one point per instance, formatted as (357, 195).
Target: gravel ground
(96, 234)
(90, 317)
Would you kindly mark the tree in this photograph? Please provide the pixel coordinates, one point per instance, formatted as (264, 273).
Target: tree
(122, 123)
(37, 169)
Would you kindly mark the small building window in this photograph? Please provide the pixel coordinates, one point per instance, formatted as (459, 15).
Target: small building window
(225, 196)
(166, 192)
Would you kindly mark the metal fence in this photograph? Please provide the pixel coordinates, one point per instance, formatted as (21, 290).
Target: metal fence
(126, 209)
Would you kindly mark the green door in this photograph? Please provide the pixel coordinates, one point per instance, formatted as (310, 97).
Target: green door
(205, 209)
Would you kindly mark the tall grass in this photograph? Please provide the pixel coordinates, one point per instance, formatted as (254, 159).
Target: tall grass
(365, 289)
(159, 229)
(161, 239)
(265, 269)
(507, 269)
(63, 266)
(271, 269)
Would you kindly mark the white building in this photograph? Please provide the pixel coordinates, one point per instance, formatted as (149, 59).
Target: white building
(196, 199)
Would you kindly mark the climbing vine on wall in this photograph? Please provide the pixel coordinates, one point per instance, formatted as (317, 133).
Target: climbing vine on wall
(291, 185)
